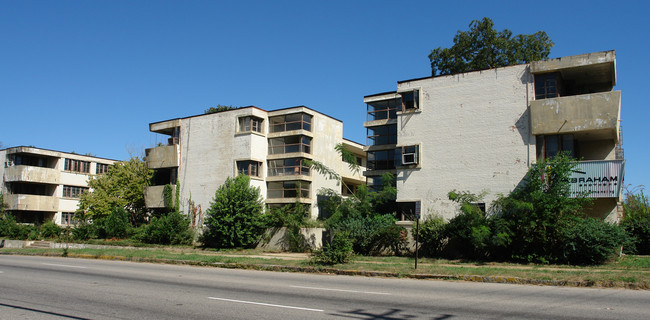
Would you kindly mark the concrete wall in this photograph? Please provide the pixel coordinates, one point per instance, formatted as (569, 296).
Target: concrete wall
(473, 130)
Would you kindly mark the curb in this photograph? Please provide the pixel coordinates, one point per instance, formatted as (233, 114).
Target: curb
(380, 274)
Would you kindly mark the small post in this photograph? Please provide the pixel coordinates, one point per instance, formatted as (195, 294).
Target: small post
(417, 230)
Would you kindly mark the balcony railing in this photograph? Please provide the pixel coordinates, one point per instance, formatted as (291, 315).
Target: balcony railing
(162, 157)
(570, 114)
(598, 178)
(29, 202)
(23, 173)
(289, 148)
(289, 171)
(154, 196)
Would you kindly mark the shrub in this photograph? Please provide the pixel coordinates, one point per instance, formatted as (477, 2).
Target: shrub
(589, 241)
(234, 218)
(115, 225)
(431, 236)
(468, 234)
(637, 222)
(172, 228)
(373, 235)
(50, 230)
(339, 250)
(293, 217)
(83, 230)
(11, 229)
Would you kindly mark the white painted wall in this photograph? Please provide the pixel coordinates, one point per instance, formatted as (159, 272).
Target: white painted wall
(474, 135)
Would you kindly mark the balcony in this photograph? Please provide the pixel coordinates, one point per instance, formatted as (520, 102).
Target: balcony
(33, 174)
(154, 196)
(28, 202)
(598, 178)
(598, 113)
(162, 157)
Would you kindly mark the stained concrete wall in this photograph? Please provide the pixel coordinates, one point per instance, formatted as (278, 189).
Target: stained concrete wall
(474, 134)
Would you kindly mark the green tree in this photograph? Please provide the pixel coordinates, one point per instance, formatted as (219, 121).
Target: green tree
(218, 108)
(121, 187)
(482, 47)
(636, 221)
(234, 218)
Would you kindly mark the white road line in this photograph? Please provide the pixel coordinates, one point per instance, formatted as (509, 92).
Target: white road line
(265, 304)
(342, 290)
(2, 272)
(64, 265)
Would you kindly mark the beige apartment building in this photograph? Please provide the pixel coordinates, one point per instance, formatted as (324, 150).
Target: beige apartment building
(42, 185)
(480, 131)
(200, 152)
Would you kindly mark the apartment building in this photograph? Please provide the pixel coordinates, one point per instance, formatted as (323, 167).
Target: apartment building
(200, 152)
(480, 131)
(42, 185)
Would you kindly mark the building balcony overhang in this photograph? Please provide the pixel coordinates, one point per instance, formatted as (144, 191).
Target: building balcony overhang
(289, 155)
(154, 196)
(22, 173)
(380, 147)
(287, 200)
(162, 157)
(28, 202)
(376, 173)
(595, 112)
(291, 177)
(594, 67)
(299, 132)
(381, 122)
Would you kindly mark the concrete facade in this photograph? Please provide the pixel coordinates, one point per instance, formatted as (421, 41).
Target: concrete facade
(42, 185)
(480, 131)
(203, 151)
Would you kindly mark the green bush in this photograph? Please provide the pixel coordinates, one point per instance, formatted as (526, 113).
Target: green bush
(339, 250)
(50, 230)
(468, 234)
(431, 236)
(234, 218)
(115, 225)
(373, 235)
(293, 217)
(637, 222)
(172, 228)
(589, 241)
(11, 229)
(83, 230)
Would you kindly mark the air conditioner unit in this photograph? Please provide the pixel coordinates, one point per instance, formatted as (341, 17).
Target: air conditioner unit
(9, 164)
(409, 155)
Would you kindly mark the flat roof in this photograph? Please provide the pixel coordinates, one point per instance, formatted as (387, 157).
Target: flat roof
(63, 152)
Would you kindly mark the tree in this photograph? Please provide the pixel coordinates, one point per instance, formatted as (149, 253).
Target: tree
(121, 187)
(218, 108)
(234, 218)
(482, 47)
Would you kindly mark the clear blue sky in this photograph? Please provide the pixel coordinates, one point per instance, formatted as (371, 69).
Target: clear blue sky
(89, 76)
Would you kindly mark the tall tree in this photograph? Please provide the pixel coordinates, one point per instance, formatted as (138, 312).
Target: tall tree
(121, 187)
(482, 47)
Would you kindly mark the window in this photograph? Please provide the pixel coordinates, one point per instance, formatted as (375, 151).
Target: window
(375, 183)
(77, 166)
(250, 168)
(287, 167)
(410, 100)
(101, 168)
(288, 189)
(73, 192)
(357, 160)
(384, 109)
(550, 145)
(29, 160)
(289, 122)
(546, 86)
(382, 160)
(382, 135)
(410, 155)
(247, 124)
(290, 144)
(67, 218)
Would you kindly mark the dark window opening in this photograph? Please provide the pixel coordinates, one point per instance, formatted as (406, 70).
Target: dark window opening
(249, 167)
(548, 146)
(410, 100)
(290, 144)
(382, 110)
(289, 122)
(382, 135)
(77, 166)
(288, 167)
(382, 160)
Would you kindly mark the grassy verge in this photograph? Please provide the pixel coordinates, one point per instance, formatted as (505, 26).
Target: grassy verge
(628, 271)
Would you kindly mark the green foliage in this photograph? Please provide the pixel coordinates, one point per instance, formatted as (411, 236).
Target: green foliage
(50, 230)
(169, 200)
(121, 187)
(293, 217)
(431, 236)
(11, 229)
(636, 222)
(115, 225)
(373, 235)
(337, 251)
(83, 230)
(172, 228)
(234, 218)
(218, 108)
(482, 48)
(532, 213)
(468, 233)
(589, 241)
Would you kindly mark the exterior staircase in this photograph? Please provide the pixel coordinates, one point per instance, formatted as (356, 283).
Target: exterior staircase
(40, 244)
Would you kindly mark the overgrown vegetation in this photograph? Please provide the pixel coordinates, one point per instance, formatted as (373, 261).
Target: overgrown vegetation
(482, 47)
(234, 219)
(218, 108)
(636, 221)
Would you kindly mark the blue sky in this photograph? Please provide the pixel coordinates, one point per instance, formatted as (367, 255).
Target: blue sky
(89, 76)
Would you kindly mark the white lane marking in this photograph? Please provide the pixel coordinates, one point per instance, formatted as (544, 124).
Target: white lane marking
(265, 304)
(342, 290)
(2, 272)
(64, 265)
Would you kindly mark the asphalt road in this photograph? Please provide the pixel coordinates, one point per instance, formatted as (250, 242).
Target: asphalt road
(60, 288)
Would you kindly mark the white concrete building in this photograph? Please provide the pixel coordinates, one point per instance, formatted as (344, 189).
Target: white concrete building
(480, 131)
(42, 185)
(202, 151)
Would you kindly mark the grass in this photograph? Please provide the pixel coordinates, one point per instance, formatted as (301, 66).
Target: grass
(619, 273)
